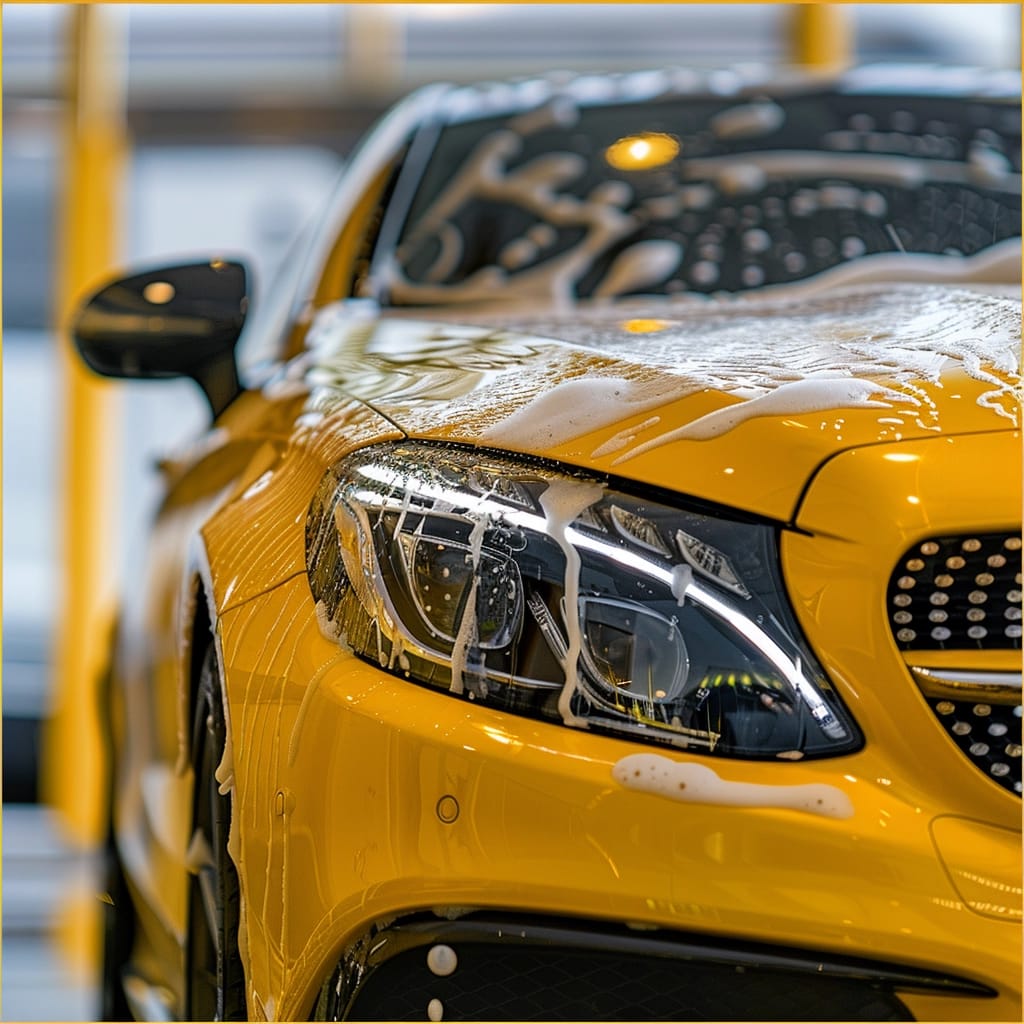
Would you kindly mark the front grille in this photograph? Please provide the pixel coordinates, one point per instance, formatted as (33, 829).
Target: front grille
(987, 732)
(500, 968)
(958, 593)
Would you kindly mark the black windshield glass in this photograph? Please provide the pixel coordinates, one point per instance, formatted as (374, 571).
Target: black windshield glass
(684, 195)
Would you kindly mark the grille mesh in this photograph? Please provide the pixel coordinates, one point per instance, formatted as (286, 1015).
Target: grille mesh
(958, 593)
(988, 734)
(504, 966)
(563, 984)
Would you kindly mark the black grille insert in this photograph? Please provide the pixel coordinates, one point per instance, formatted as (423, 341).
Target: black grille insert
(541, 969)
(987, 733)
(958, 593)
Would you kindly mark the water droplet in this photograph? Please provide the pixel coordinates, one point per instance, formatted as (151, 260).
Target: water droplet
(752, 276)
(794, 262)
(704, 272)
(852, 247)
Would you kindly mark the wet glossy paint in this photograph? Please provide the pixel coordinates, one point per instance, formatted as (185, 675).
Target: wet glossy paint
(338, 768)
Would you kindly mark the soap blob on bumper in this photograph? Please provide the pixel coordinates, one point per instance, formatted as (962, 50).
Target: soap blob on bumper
(690, 782)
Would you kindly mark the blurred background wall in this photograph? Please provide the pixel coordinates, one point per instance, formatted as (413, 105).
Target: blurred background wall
(238, 119)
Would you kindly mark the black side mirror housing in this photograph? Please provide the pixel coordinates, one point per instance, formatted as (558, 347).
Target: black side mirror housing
(181, 321)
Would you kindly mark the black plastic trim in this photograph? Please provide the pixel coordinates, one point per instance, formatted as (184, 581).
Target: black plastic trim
(341, 992)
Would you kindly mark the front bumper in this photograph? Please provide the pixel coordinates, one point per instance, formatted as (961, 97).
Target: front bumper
(364, 798)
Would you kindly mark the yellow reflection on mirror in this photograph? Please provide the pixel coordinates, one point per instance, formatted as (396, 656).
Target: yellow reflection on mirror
(642, 152)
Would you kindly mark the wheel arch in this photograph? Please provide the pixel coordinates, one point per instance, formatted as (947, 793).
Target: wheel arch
(199, 627)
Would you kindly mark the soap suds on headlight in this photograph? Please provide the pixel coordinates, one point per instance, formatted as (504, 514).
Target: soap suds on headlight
(563, 501)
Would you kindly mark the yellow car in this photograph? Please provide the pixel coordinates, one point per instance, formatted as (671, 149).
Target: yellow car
(606, 602)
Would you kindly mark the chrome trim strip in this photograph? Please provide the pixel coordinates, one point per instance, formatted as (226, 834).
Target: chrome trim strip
(953, 677)
(953, 684)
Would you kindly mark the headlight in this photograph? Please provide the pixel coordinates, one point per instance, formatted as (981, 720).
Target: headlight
(543, 593)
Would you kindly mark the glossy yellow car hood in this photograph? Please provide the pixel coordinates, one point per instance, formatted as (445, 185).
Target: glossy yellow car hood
(736, 402)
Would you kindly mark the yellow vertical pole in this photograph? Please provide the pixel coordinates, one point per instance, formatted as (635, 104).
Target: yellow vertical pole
(73, 767)
(374, 51)
(821, 36)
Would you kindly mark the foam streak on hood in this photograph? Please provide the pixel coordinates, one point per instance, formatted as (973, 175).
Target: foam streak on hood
(737, 402)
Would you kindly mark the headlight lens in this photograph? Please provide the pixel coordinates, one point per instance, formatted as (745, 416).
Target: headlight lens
(552, 595)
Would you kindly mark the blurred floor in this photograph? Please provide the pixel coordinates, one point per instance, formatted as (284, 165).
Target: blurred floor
(50, 921)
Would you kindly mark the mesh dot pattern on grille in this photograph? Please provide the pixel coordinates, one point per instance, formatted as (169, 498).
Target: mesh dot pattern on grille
(988, 734)
(958, 593)
(503, 984)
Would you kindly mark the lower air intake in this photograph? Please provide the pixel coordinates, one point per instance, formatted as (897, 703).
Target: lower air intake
(497, 968)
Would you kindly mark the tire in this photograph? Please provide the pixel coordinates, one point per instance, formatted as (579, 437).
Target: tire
(214, 979)
(118, 933)
(118, 913)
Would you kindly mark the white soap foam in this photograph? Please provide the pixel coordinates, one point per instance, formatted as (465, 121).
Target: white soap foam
(538, 188)
(748, 121)
(442, 960)
(691, 782)
(624, 437)
(738, 178)
(867, 347)
(467, 625)
(643, 265)
(570, 410)
(563, 501)
(813, 395)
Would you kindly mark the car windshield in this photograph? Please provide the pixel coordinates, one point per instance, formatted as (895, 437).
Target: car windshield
(679, 195)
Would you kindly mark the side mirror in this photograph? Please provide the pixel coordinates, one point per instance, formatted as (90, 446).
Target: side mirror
(171, 322)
